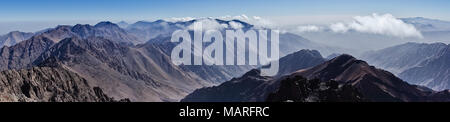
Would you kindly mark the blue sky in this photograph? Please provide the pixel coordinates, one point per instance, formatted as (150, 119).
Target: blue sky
(43, 10)
(15, 12)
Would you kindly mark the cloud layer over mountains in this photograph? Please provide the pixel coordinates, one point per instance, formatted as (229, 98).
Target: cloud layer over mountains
(257, 21)
(385, 24)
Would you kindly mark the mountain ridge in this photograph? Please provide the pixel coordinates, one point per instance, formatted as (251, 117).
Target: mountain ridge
(373, 84)
(120, 69)
(251, 86)
(418, 63)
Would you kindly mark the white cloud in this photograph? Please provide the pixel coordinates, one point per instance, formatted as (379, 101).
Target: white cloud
(257, 17)
(308, 28)
(236, 25)
(378, 24)
(208, 24)
(257, 21)
(242, 17)
(182, 19)
(264, 23)
(339, 27)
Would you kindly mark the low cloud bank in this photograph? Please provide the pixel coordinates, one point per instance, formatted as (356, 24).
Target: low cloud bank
(385, 24)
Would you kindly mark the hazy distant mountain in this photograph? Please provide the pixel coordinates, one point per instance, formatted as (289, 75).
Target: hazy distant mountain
(44, 84)
(434, 72)
(373, 84)
(123, 24)
(290, 43)
(147, 30)
(427, 25)
(433, 30)
(398, 58)
(422, 64)
(13, 38)
(106, 30)
(331, 56)
(252, 86)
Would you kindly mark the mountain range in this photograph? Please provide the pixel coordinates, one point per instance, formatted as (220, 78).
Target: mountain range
(140, 73)
(252, 86)
(354, 80)
(423, 64)
(110, 62)
(159, 33)
(24, 53)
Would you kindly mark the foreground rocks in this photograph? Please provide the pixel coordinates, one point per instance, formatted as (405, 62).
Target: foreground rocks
(45, 84)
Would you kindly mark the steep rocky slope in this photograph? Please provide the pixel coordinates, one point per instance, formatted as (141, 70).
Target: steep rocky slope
(24, 53)
(433, 72)
(141, 73)
(44, 84)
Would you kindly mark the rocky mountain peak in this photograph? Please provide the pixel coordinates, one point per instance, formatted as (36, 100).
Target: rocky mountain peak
(106, 24)
(253, 72)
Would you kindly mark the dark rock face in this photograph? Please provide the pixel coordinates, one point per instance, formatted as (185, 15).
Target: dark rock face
(251, 87)
(299, 60)
(374, 84)
(299, 89)
(44, 84)
(439, 96)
